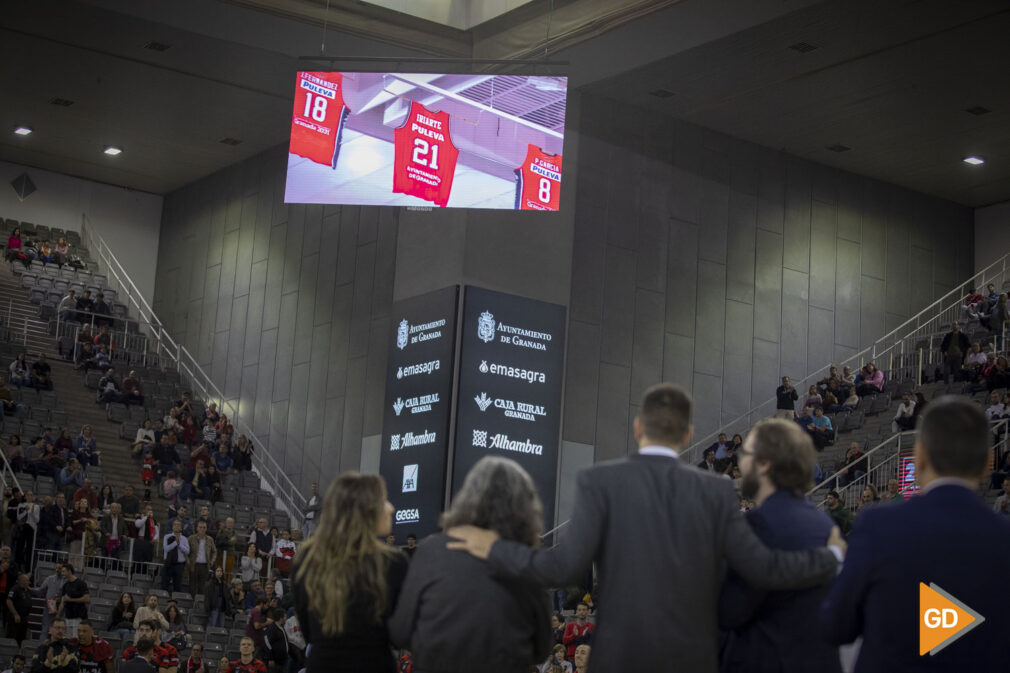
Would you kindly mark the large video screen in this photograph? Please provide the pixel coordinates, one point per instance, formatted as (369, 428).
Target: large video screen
(428, 140)
(415, 428)
(511, 365)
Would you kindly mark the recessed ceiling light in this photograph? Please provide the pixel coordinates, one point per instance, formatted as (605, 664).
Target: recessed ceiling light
(113, 151)
(230, 141)
(153, 45)
(977, 110)
(22, 131)
(973, 160)
(838, 147)
(62, 102)
(661, 93)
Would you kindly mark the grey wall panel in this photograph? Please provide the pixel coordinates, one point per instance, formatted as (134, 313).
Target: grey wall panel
(767, 285)
(871, 310)
(371, 454)
(678, 359)
(823, 184)
(612, 424)
(354, 409)
(575, 457)
(823, 245)
(771, 210)
(898, 256)
(710, 326)
(647, 358)
(736, 393)
(850, 207)
(741, 248)
(653, 242)
(714, 216)
(618, 306)
(707, 395)
(582, 376)
(921, 279)
(795, 306)
(682, 278)
(874, 233)
(765, 371)
(375, 377)
(820, 337)
(847, 294)
(796, 228)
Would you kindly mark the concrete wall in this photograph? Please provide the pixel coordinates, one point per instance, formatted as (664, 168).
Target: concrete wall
(128, 220)
(992, 234)
(721, 265)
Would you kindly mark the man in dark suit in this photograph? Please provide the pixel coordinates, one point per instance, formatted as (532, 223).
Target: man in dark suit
(777, 632)
(945, 536)
(659, 531)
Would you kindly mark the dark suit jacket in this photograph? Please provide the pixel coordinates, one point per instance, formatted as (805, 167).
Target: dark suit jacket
(49, 519)
(659, 531)
(947, 536)
(778, 631)
(442, 615)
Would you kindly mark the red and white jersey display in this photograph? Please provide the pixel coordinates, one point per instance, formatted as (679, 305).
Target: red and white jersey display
(318, 117)
(538, 181)
(424, 156)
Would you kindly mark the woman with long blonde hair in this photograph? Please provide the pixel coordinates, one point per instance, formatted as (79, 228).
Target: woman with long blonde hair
(346, 581)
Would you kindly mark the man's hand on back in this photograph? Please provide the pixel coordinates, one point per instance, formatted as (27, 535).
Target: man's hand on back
(476, 541)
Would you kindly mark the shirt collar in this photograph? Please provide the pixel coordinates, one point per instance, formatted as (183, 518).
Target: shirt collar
(655, 450)
(950, 481)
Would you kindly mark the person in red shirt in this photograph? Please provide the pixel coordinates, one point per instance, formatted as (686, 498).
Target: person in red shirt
(166, 657)
(579, 632)
(94, 653)
(247, 663)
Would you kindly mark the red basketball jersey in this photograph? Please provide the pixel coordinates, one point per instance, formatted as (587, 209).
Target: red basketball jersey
(425, 158)
(318, 117)
(538, 181)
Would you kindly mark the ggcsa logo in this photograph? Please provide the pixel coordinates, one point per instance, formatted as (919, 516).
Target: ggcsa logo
(485, 327)
(407, 516)
(401, 334)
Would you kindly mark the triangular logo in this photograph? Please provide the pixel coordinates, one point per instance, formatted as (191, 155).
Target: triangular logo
(942, 619)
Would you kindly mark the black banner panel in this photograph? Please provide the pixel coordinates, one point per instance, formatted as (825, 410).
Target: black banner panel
(415, 428)
(511, 364)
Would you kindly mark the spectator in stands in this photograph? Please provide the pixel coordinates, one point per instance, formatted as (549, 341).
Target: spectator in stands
(71, 478)
(953, 348)
(581, 658)
(175, 634)
(975, 358)
(904, 417)
(86, 447)
(236, 596)
(558, 631)
(243, 454)
(999, 319)
(820, 429)
(247, 661)
(211, 413)
(108, 388)
(79, 521)
(841, 514)
(868, 498)
(222, 459)
(285, 549)
(786, 396)
(42, 373)
(17, 664)
(106, 499)
(213, 484)
(814, 400)
(202, 557)
(25, 534)
(1002, 504)
(708, 461)
(54, 522)
(103, 339)
(311, 509)
(199, 454)
(85, 306)
(209, 432)
(50, 590)
(189, 429)
(777, 629)
(275, 642)
(15, 453)
(832, 399)
(720, 446)
(166, 656)
(176, 555)
(61, 252)
(204, 516)
(850, 467)
(263, 539)
(147, 533)
(216, 598)
(228, 539)
(251, 565)
(115, 530)
(45, 249)
(19, 605)
(195, 662)
(893, 492)
(130, 503)
(579, 631)
(165, 458)
(133, 392)
(95, 654)
(996, 409)
(14, 246)
(144, 439)
(873, 380)
(20, 374)
(74, 601)
(64, 445)
(103, 314)
(87, 492)
(999, 376)
(10, 407)
(55, 653)
(224, 426)
(972, 305)
(259, 615)
(147, 613)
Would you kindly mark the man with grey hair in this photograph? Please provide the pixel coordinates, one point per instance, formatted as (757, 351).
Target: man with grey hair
(51, 590)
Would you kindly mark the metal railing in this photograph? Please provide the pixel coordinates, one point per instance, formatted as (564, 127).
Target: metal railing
(172, 354)
(899, 347)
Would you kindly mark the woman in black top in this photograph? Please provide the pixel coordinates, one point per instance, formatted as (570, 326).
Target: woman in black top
(346, 581)
(454, 613)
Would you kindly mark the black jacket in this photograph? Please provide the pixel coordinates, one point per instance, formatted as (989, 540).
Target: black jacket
(439, 620)
(962, 341)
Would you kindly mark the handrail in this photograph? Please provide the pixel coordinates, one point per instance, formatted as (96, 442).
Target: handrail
(979, 279)
(866, 456)
(279, 483)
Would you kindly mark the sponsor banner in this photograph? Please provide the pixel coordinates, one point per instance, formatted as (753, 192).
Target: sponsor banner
(415, 429)
(509, 399)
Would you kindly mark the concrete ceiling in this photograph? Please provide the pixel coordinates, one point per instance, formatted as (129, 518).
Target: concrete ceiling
(890, 80)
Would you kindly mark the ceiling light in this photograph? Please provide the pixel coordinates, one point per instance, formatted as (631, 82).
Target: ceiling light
(157, 46)
(230, 141)
(62, 102)
(22, 131)
(973, 160)
(661, 93)
(839, 148)
(977, 110)
(803, 47)
(113, 151)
